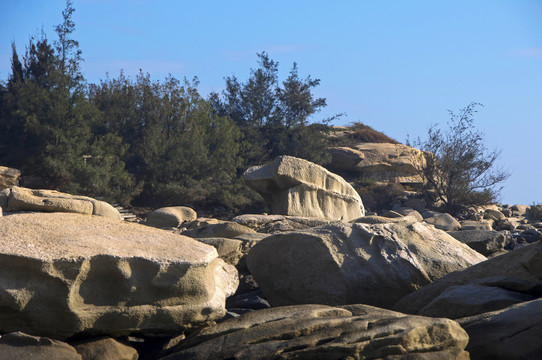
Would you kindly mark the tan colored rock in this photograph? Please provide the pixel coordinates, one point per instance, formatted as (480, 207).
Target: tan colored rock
(482, 225)
(375, 219)
(515, 275)
(323, 332)
(355, 263)
(9, 177)
(105, 349)
(442, 221)
(511, 333)
(172, 216)
(65, 273)
(18, 345)
(292, 186)
(380, 161)
(23, 199)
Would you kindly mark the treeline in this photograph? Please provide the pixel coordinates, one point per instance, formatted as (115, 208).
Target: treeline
(146, 142)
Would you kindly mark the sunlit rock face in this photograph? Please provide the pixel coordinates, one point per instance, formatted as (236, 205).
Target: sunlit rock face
(292, 186)
(62, 274)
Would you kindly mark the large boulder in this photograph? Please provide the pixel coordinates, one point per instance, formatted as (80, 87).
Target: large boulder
(511, 333)
(171, 216)
(292, 186)
(63, 274)
(380, 161)
(323, 332)
(23, 199)
(494, 284)
(355, 263)
(9, 177)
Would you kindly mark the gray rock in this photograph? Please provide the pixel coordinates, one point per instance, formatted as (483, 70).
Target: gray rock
(355, 263)
(519, 271)
(441, 221)
(484, 242)
(323, 332)
(270, 224)
(511, 333)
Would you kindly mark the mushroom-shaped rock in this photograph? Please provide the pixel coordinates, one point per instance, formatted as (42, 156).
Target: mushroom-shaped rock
(292, 186)
(62, 274)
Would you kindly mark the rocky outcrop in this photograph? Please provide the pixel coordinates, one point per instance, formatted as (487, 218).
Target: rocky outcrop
(489, 286)
(442, 221)
(292, 186)
(171, 216)
(23, 199)
(355, 263)
(9, 177)
(511, 333)
(63, 274)
(380, 161)
(323, 332)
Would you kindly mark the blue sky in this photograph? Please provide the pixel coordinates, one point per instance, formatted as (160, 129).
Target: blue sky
(397, 66)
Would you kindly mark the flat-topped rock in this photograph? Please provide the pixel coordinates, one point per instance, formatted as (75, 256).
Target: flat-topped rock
(22, 199)
(65, 273)
(9, 177)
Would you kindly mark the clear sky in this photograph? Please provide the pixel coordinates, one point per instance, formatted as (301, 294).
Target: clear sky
(397, 66)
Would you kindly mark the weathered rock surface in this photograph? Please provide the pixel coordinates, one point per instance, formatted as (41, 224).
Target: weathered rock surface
(511, 333)
(442, 221)
(380, 161)
(355, 263)
(323, 332)
(226, 229)
(18, 345)
(292, 186)
(515, 275)
(270, 224)
(62, 274)
(9, 177)
(171, 216)
(105, 349)
(485, 242)
(23, 199)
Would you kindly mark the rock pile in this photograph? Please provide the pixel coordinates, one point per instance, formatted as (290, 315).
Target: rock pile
(322, 283)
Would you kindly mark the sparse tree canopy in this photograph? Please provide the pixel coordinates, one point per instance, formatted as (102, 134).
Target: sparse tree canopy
(462, 172)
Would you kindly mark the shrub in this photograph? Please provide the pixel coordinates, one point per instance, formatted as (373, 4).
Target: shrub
(535, 212)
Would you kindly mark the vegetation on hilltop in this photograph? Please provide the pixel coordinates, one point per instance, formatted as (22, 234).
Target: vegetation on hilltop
(159, 143)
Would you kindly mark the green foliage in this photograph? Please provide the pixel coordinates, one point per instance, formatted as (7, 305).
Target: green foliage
(462, 173)
(274, 117)
(153, 143)
(535, 212)
(47, 124)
